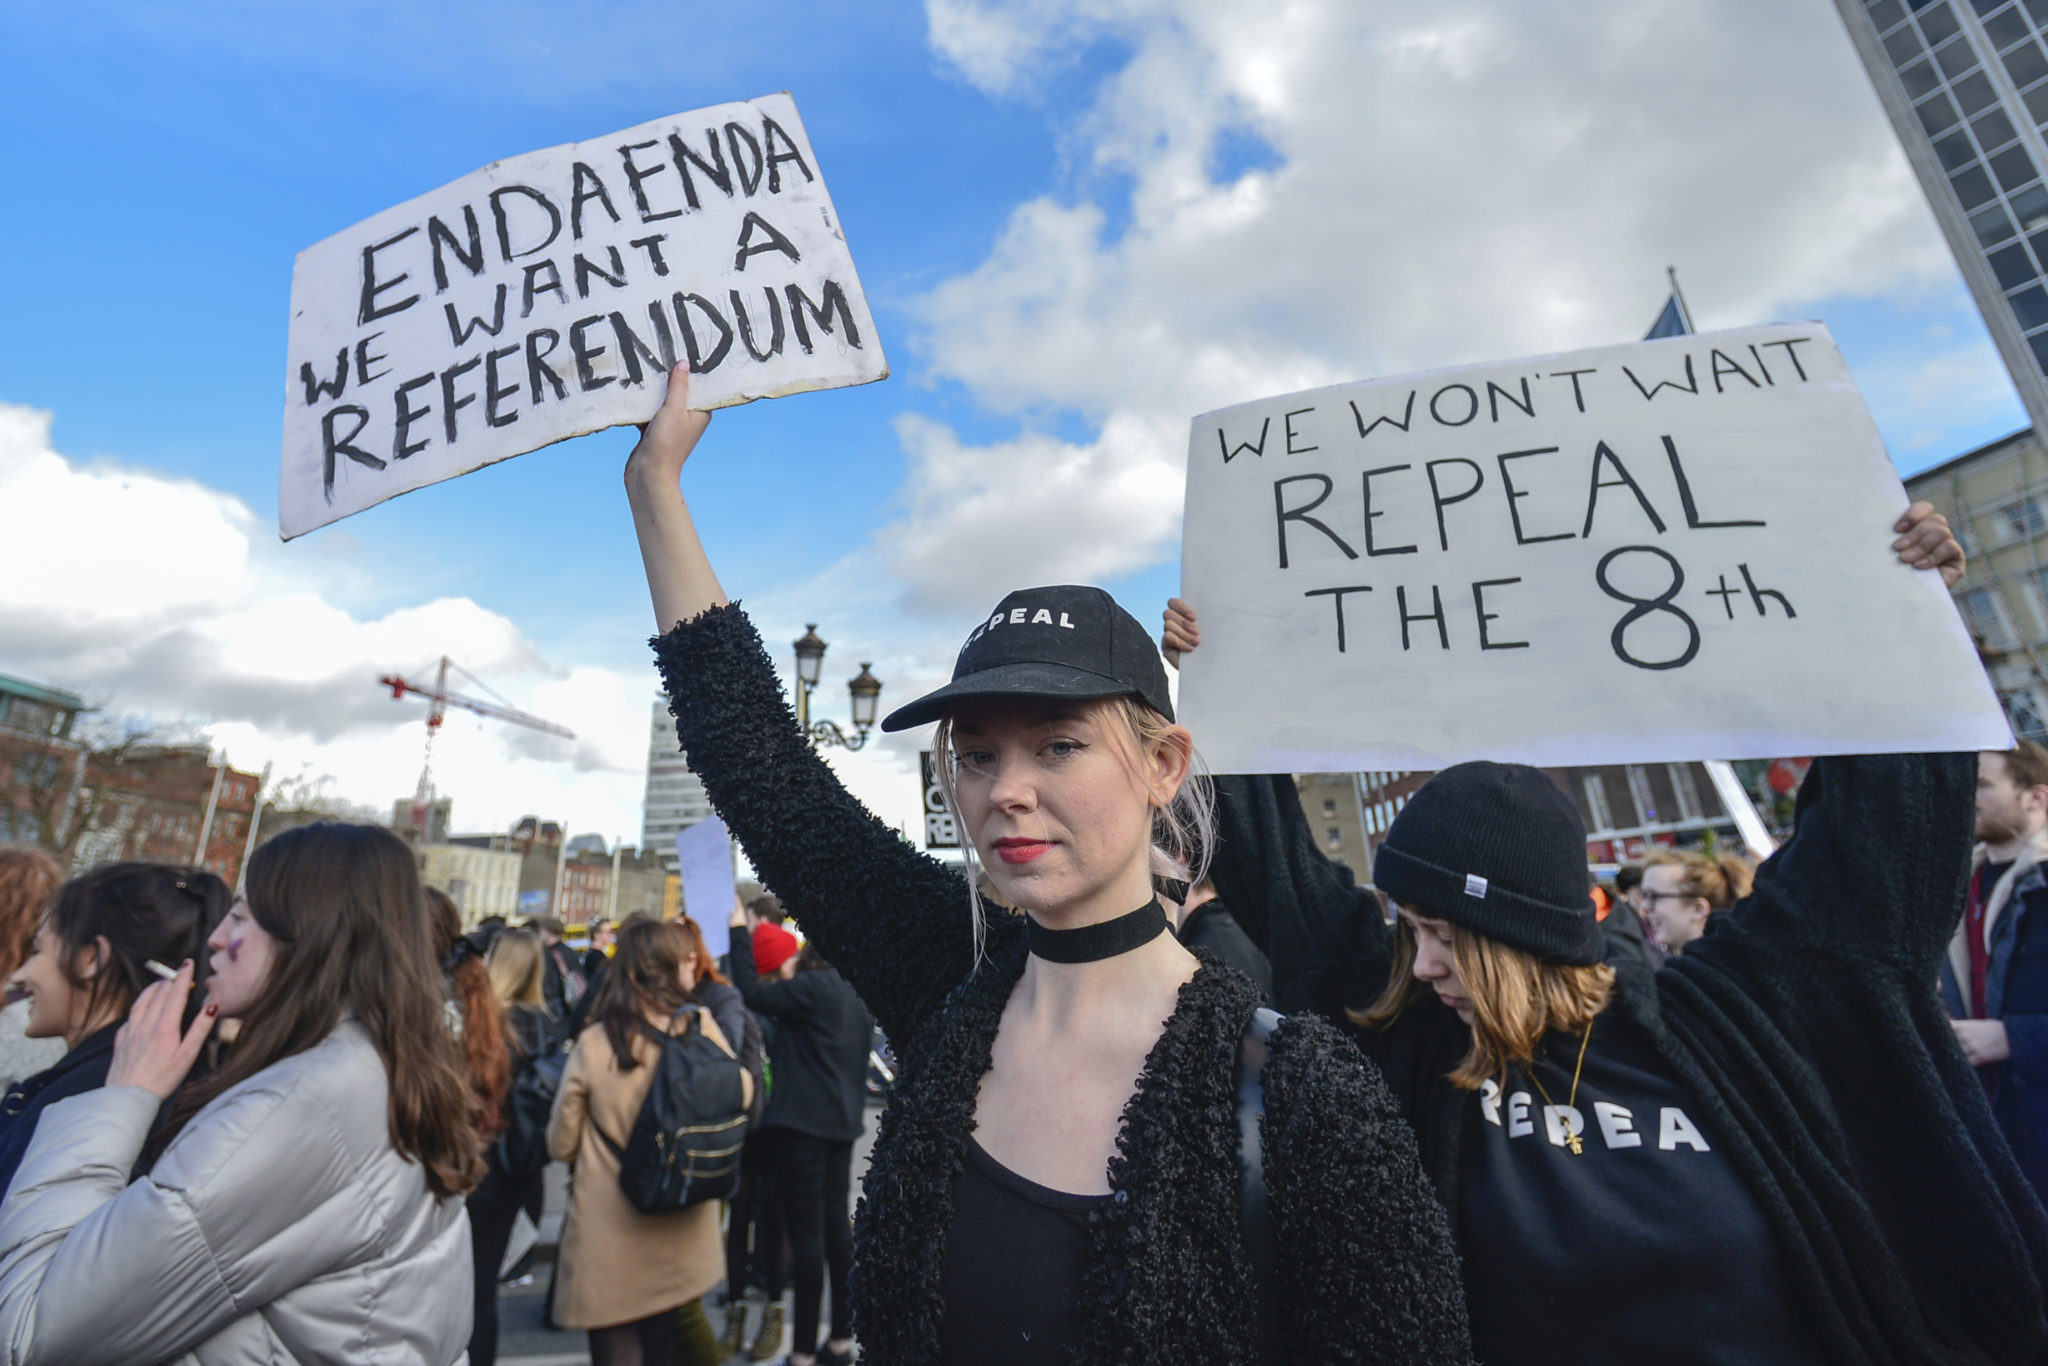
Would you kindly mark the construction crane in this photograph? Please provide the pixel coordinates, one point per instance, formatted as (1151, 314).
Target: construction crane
(439, 699)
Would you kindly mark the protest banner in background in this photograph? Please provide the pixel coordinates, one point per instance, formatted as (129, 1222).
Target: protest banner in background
(941, 830)
(704, 867)
(1669, 550)
(547, 295)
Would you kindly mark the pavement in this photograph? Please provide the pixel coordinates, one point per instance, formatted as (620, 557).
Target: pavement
(523, 1336)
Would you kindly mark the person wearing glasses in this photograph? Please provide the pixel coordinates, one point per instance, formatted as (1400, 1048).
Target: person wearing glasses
(1682, 888)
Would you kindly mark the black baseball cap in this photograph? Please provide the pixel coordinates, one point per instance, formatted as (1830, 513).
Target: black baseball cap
(1066, 641)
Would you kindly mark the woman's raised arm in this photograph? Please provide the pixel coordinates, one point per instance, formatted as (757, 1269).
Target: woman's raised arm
(894, 922)
(679, 574)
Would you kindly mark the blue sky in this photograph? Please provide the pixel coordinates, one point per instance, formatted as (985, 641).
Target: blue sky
(1077, 221)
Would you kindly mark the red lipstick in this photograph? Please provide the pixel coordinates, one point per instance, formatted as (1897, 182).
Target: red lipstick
(1019, 850)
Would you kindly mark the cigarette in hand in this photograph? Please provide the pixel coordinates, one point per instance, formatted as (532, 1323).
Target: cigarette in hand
(159, 969)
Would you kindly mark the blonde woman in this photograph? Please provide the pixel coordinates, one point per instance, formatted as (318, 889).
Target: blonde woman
(1769, 1151)
(1058, 1174)
(1683, 887)
(517, 1157)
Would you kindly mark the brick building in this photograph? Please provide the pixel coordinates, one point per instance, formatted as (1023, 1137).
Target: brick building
(169, 804)
(41, 763)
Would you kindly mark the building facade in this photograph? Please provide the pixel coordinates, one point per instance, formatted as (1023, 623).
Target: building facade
(481, 879)
(674, 799)
(41, 763)
(1996, 498)
(167, 804)
(1625, 808)
(1965, 84)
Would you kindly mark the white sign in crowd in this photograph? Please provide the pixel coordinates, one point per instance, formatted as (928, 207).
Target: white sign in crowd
(547, 295)
(1662, 551)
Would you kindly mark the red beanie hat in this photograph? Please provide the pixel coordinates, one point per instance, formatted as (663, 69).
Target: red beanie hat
(773, 946)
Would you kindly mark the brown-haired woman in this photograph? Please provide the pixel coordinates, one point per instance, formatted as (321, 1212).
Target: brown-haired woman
(29, 878)
(90, 962)
(308, 1205)
(1681, 888)
(621, 1275)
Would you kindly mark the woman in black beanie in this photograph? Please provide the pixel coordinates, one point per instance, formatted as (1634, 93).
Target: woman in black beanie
(1057, 1175)
(1769, 1151)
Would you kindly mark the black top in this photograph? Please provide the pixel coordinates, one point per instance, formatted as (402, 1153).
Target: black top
(1803, 1029)
(1015, 1257)
(1647, 1231)
(1211, 926)
(82, 1069)
(819, 1057)
(1365, 1267)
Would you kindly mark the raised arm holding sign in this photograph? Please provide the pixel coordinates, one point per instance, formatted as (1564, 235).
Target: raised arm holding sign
(548, 295)
(1650, 552)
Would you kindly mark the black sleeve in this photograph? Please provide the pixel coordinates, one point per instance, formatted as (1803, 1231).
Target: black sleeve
(1328, 941)
(1367, 1268)
(727, 1008)
(893, 921)
(1875, 868)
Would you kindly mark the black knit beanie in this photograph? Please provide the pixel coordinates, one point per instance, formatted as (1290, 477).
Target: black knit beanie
(1499, 849)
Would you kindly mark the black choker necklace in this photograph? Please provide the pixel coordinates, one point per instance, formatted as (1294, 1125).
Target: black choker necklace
(1093, 943)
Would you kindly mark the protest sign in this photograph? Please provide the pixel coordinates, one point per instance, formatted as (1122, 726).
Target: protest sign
(704, 867)
(1669, 550)
(941, 831)
(547, 295)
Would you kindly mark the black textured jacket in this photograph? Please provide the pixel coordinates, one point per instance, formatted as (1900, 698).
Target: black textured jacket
(1805, 1024)
(1366, 1270)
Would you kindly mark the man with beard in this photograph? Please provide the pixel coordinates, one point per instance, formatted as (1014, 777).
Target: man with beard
(1995, 982)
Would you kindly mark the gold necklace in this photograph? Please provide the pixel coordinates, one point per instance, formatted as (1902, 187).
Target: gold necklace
(1572, 1101)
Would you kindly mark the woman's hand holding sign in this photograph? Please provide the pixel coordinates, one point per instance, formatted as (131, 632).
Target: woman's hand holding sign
(678, 573)
(1925, 542)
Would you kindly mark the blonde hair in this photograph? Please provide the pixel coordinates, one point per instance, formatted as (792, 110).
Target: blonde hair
(1516, 998)
(515, 964)
(1720, 880)
(1183, 831)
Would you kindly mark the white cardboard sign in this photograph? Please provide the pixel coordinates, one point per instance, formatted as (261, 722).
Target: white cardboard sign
(704, 868)
(1675, 549)
(547, 295)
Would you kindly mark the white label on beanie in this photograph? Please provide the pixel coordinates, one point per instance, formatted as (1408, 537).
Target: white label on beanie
(1475, 885)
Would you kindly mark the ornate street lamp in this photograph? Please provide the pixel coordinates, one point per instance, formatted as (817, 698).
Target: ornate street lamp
(863, 689)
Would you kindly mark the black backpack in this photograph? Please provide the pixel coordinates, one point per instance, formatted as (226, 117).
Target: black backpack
(522, 1148)
(685, 1146)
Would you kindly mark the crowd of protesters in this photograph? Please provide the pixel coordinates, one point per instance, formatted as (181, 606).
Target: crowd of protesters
(1705, 1112)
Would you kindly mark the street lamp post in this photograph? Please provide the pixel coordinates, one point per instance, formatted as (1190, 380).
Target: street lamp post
(864, 691)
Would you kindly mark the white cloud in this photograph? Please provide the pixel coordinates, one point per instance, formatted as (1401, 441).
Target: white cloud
(162, 598)
(1424, 186)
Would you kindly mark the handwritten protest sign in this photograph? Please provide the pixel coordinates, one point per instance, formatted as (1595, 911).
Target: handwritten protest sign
(1669, 550)
(704, 867)
(547, 295)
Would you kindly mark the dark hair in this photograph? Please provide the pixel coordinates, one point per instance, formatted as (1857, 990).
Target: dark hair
(700, 952)
(646, 976)
(1627, 878)
(344, 904)
(808, 959)
(142, 911)
(483, 1019)
(768, 907)
(28, 879)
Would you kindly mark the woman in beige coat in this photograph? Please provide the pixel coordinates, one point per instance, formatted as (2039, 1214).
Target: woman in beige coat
(623, 1275)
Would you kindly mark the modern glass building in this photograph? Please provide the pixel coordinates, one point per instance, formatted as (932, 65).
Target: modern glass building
(675, 797)
(1965, 83)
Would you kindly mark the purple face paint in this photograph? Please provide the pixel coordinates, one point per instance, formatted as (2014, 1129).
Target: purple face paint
(233, 949)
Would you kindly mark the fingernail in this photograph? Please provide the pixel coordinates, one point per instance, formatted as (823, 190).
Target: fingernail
(212, 1009)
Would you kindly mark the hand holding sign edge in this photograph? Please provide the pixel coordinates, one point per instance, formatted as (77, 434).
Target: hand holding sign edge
(679, 575)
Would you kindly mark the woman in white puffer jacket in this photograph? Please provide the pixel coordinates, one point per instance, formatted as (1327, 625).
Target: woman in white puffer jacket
(308, 1204)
